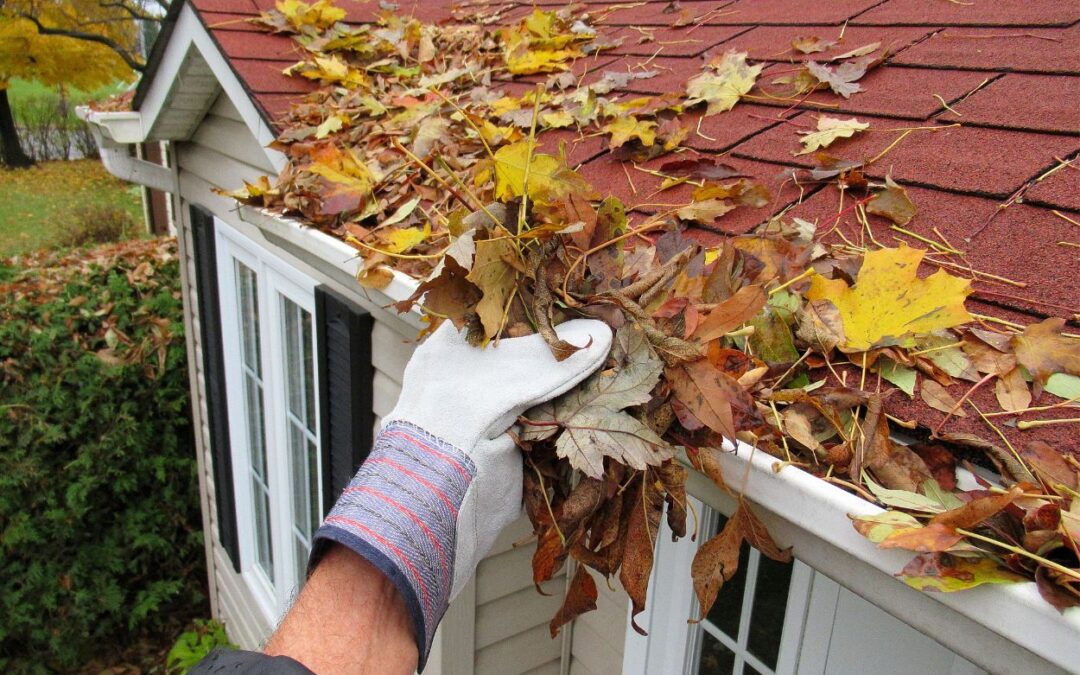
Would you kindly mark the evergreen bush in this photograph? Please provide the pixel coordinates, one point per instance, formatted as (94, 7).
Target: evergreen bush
(100, 534)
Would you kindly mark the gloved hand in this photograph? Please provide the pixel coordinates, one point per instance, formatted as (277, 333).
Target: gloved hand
(444, 477)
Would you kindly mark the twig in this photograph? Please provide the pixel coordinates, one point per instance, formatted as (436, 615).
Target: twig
(1022, 552)
(1031, 424)
(945, 105)
(1061, 215)
(967, 394)
(1040, 408)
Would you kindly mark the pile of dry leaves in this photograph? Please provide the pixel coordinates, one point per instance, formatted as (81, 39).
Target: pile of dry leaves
(412, 151)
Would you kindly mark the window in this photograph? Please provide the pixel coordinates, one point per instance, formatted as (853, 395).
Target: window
(268, 340)
(782, 618)
(744, 630)
(755, 626)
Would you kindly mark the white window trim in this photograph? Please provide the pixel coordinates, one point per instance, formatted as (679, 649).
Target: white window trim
(275, 277)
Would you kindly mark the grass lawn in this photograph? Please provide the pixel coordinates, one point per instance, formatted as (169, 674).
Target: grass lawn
(40, 204)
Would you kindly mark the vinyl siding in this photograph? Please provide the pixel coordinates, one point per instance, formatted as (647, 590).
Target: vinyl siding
(499, 615)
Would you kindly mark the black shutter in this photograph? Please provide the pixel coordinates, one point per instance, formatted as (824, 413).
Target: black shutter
(206, 283)
(346, 418)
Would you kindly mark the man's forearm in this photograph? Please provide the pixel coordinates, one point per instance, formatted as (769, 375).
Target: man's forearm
(349, 618)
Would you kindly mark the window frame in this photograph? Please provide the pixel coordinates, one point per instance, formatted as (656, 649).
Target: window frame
(276, 280)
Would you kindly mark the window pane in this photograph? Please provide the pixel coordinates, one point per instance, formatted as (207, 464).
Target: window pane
(314, 507)
(256, 430)
(301, 494)
(716, 659)
(294, 384)
(301, 551)
(249, 316)
(264, 554)
(306, 335)
(770, 604)
(728, 607)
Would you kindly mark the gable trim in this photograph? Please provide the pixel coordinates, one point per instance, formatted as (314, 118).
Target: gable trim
(189, 64)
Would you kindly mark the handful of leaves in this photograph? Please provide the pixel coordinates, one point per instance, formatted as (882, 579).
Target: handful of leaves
(770, 338)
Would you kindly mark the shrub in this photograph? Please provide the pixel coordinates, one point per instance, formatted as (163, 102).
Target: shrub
(99, 224)
(100, 535)
(192, 645)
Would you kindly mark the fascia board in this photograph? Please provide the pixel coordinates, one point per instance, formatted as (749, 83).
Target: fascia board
(1012, 615)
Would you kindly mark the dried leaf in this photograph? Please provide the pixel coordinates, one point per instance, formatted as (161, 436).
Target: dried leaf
(977, 510)
(1012, 391)
(724, 81)
(706, 211)
(1043, 350)
(889, 304)
(708, 393)
(828, 130)
(812, 44)
(580, 598)
(1050, 467)
(820, 325)
(644, 524)
(701, 168)
(731, 313)
(628, 127)
(548, 176)
(947, 573)
(880, 526)
(718, 559)
(938, 398)
(496, 278)
(843, 78)
(892, 203)
(933, 537)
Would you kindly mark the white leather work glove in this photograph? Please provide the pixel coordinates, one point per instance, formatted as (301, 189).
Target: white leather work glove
(444, 477)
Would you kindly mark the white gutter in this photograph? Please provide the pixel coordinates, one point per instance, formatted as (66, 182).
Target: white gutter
(985, 624)
(114, 132)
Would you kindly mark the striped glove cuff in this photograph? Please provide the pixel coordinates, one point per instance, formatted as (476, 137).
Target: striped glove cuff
(400, 513)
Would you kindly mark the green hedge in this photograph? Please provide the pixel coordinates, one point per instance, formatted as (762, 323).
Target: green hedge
(100, 534)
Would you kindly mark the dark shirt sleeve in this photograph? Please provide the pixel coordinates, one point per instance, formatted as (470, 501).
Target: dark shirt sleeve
(240, 662)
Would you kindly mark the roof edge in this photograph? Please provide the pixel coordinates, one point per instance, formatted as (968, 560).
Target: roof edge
(153, 61)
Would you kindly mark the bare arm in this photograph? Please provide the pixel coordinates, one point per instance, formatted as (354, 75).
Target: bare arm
(348, 619)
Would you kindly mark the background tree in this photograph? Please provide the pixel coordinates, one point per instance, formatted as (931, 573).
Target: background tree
(79, 43)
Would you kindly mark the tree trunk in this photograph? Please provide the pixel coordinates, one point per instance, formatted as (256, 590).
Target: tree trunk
(11, 152)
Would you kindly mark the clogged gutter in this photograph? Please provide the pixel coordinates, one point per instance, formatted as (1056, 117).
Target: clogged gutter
(423, 149)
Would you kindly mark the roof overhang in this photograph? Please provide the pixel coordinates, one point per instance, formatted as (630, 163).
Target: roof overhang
(184, 77)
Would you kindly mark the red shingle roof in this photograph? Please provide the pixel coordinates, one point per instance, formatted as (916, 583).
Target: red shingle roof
(1007, 71)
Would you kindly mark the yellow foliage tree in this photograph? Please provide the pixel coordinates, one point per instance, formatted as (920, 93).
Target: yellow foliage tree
(79, 43)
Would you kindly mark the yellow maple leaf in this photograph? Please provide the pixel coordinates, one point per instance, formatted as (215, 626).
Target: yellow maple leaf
(725, 80)
(548, 176)
(627, 127)
(402, 239)
(889, 303)
(495, 277)
(321, 15)
(830, 129)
